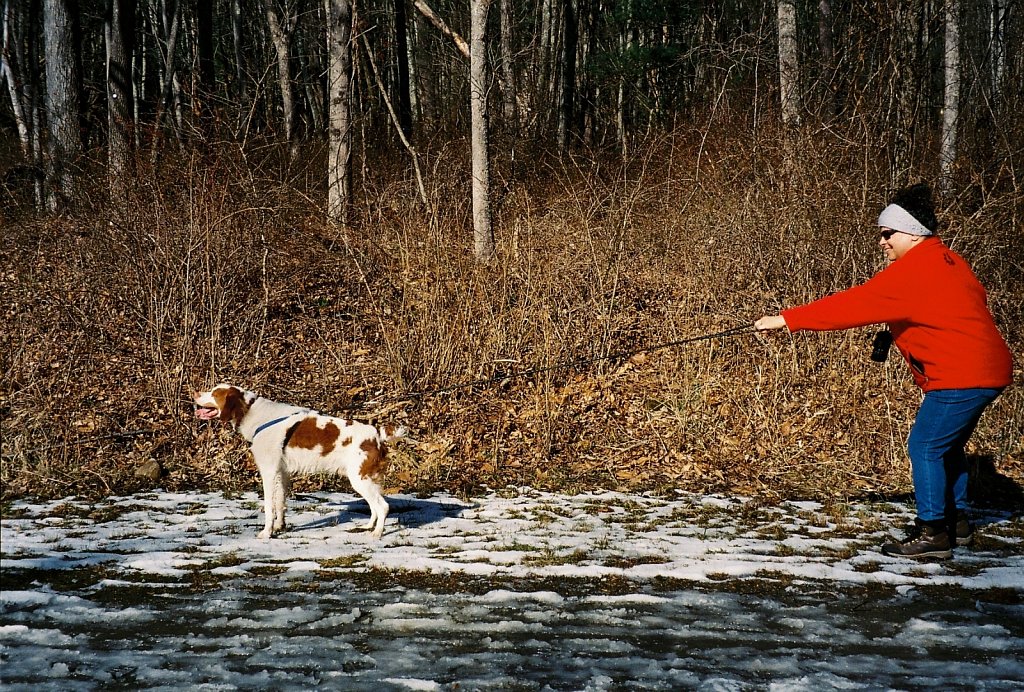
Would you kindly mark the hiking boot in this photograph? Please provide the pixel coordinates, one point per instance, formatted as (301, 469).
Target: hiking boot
(960, 528)
(926, 541)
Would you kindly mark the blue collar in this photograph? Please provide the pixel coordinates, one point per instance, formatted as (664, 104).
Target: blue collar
(269, 423)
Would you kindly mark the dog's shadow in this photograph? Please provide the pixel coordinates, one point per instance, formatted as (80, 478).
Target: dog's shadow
(407, 512)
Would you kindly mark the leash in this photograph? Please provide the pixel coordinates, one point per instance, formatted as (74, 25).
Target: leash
(565, 365)
(735, 331)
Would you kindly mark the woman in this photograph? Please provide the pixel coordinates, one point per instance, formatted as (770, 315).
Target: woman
(939, 318)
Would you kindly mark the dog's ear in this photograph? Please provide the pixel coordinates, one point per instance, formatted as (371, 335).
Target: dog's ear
(234, 407)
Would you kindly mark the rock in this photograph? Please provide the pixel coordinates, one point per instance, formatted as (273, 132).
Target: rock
(150, 469)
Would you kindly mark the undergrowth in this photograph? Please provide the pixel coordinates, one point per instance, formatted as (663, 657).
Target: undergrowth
(218, 272)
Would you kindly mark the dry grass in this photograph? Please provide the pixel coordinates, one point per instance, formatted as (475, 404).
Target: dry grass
(218, 275)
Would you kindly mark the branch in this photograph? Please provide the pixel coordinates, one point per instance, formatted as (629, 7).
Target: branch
(425, 10)
(398, 126)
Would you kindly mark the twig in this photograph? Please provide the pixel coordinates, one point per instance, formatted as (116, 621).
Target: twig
(80, 441)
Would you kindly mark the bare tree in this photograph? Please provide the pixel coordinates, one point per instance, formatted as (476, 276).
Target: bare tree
(204, 49)
(165, 24)
(63, 75)
(483, 233)
(396, 120)
(476, 51)
(18, 50)
(789, 73)
(120, 32)
(626, 39)
(402, 63)
(827, 50)
(951, 101)
(282, 23)
(237, 38)
(508, 80)
(567, 73)
(339, 99)
(997, 38)
(10, 61)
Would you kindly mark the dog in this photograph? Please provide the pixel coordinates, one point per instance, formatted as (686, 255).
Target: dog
(288, 440)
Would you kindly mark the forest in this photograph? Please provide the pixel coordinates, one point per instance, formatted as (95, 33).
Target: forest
(530, 231)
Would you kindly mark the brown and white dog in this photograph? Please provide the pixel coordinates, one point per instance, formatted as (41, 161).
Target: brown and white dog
(288, 440)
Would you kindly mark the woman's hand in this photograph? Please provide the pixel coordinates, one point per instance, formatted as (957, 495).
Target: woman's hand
(770, 322)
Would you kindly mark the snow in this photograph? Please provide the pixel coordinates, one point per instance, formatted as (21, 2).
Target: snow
(518, 589)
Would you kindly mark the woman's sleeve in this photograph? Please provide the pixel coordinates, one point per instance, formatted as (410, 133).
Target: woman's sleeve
(882, 298)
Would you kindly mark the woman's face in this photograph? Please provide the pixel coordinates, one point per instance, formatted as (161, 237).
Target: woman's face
(896, 243)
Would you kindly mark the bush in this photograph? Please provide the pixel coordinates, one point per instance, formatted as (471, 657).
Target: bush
(220, 273)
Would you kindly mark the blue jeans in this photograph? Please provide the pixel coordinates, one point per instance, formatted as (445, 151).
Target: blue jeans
(944, 423)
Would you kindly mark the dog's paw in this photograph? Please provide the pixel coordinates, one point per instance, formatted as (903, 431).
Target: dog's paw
(263, 535)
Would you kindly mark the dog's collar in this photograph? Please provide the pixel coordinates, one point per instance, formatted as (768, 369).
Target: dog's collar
(270, 423)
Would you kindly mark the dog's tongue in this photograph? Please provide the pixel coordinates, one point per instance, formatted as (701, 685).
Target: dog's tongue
(206, 413)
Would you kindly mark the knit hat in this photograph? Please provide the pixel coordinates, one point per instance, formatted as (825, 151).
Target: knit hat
(899, 219)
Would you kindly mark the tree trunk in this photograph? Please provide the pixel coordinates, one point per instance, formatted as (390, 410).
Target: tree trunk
(625, 45)
(10, 70)
(508, 80)
(402, 59)
(281, 28)
(483, 233)
(997, 37)
(789, 74)
(951, 101)
(826, 47)
(339, 99)
(120, 33)
(238, 39)
(567, 74)
(204, 51)
(63, 76)
(165, 26)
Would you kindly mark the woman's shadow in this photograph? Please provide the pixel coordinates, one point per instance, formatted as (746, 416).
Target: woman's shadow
(994, 497)
(991, 491)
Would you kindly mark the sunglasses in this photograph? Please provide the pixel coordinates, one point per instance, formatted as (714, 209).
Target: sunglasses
(888, 233)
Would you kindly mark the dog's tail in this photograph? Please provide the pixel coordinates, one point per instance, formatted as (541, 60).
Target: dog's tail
(390, 433)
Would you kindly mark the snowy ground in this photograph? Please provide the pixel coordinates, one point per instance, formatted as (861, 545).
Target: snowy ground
(513, 590)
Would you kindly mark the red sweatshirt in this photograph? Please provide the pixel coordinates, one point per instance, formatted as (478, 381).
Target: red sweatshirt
(938, 314)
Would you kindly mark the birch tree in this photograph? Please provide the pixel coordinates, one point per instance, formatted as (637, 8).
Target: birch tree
(476, 51)
(18, 51)
(508, 80)
(11, 59)
(483, 233)
(951, 99)
(282, 22)
(567, 74)
(789, 88)
(339, 118)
